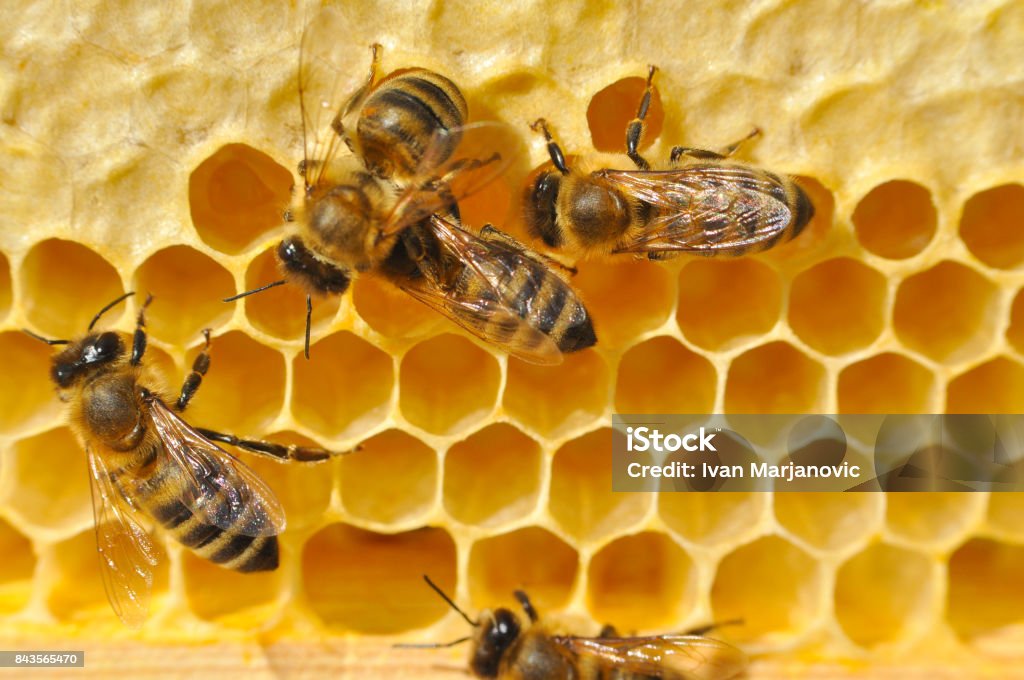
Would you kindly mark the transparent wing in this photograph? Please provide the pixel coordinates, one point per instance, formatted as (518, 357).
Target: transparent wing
(456, 164)
(330, 68)
(711, 209)
(214, 485)
(690, 657)
(126, 551)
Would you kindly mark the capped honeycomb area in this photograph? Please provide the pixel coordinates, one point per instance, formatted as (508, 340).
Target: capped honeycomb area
(153, 147)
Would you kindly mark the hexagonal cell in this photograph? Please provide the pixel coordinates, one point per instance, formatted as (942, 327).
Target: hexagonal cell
(391, 479)
(774, 378)
(281, 311)
(996, 386)
(373, 583)
(882, 593)
(345, 389)
(990, 226)
(612, 108)
(1004, 513)
(625, 298)
(1015, 332)
(5, 286)
(829, 521)
(931, 516)
(946, 312)
(712, 518)
(662, 376)
(434, 392)
(304, 490)
(724, 301)
(886, 383)
(985, 592)
(896, 220)
(581, 489)
(492, 477)
(64, 285)
(554, 399)
(772, 585)
(229, 597)
(838, 306)
(26, 392)
(236, 196)
(530, 559)
(391, 311)
(244, 389)
(16, 569)
(641, 582)
(52, 481)
(187, 288)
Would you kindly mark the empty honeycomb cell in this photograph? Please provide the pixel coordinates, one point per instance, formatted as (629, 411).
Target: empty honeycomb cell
(931, 517)
(641, 582)
(391, 479)
(985, 592)
(187, 287)
(5, 286)
(281, 311)
(611, 110)
(886, 383)
(26, 392)
(492, 477)
(236, 196)
(52, 488)
(344, 388)
(1004, 513)
(434, 391)
(774, 378)
(373, 583)
(997, 386)
(712, 518)
(244, 388)
(662, 376)
(829, 521)
(1015, 331)
(946, 312)
(532, 559)
(723, 301)
(60, 301)
(229, 597)
(391, 311)
(838, 306)
(581, 489)
(553, 399)
(881, 592)
(896, 219)
(625, 297)
(304, 490)
(773, 586)
(16, 569)
(991, 226)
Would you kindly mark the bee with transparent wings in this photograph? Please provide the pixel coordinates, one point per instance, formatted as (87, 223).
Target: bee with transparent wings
(701, 203)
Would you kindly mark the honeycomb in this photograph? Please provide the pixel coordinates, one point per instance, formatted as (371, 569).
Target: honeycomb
(151, 147)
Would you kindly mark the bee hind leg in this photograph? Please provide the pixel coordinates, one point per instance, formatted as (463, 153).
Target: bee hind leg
(279, 452)
(635, 128)
(704, 154)
(195, 378)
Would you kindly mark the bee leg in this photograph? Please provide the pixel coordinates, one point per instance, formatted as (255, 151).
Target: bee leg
(524, 602)
(704, 630)
(139, 339)
(704, 154)
(359, 96)
(192, 381)
(635, 129)
(491, 233)
(555, 151)
(279, 452)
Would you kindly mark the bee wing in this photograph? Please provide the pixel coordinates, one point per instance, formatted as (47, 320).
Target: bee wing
(214, 485)
(329, 68)
(126, 551)
(484, 151)
(709, 209)
(687, 657)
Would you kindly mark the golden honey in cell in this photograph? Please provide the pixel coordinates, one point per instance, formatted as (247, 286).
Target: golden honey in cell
(146, 465)
(699, 203)
(502, 648)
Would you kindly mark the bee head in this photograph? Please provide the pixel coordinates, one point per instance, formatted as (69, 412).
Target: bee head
(498, 630)
(309, 271)
(540, 206)
(85, 356)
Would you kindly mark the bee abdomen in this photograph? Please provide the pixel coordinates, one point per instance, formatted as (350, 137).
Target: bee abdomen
(554, 310)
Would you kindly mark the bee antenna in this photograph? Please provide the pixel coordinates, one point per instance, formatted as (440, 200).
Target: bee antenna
(254, 290)
(450, 604)
(431, 645)
(41, 338)
(309, 319)
(107, 308)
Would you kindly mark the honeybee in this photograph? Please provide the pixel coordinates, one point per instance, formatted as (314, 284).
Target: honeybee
(146, 464)
(502, 648)
(701, 204)
(413, 155)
